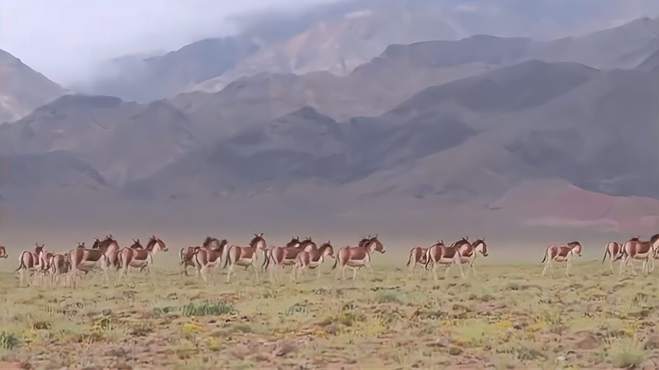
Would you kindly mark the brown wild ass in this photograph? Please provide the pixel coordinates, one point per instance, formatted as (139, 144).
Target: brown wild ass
(58, 266)
(3, 252)
(417, 256)
(470, 251)
(359, 256)
(279, 255)
(85, 259)
(187, 254)
(140, 257)
(312, 258)
(559, 254)
(209, 256)
(440, 254)
(28, 261)
(245, 256)
(287, 256)
(613, 250)
(637, 250)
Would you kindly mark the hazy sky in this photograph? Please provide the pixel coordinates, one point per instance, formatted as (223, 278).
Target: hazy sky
(63, 38)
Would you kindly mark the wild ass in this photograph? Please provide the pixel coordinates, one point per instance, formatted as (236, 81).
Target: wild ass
(245, 256)
(359, 256)
(58, 266)
(635, 249)
(287, 256)
(312, 258)
(441, 254)
(85, 259)
(561, 253)
(613, 250)
(469, 253)
(29, 261)
(3, 252)
(209, 256)
(140, 257)
(187, 254)
(273, 250)
(417, 256)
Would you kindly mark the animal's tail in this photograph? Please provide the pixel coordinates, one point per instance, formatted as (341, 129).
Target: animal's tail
(428, 254)
(409, 260)
(266, 260)
(181, 254)
(544, 259)
(227, 260)
(21, 264)
(621, 255)
(336, 260)
(606, 253)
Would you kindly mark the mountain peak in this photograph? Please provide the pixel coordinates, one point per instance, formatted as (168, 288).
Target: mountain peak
(22, 89)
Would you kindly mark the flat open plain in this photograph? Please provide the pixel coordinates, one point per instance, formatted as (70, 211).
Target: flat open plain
(506, 317)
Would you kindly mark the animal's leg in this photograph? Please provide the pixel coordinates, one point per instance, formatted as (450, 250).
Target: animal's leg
(354, 273)
(459, 262)
(229, 273)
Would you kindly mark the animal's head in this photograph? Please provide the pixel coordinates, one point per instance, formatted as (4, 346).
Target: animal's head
(158, 244)
(38, 248)
(308, 245)
(3, 252)
(480, 246)
(376, 245)
(96, 244)
(210, 241)
(81, 245)
(136, 244)
(326, 249)
(576, 247)
(294, 243)
(258, 241)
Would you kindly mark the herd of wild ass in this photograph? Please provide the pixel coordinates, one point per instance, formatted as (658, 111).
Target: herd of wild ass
(297, 255)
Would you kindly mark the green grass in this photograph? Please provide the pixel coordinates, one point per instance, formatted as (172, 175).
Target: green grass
(627, 353)
(207, 309)
(8, 341)
(507, 317)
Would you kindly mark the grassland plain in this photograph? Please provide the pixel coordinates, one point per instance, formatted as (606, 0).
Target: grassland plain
(506, 317)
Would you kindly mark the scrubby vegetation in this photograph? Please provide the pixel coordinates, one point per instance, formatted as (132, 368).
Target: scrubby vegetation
(506, 317)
